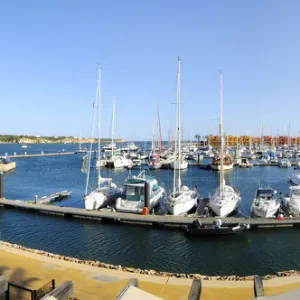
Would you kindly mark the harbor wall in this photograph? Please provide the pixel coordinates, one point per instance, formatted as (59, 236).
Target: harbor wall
(147, 271)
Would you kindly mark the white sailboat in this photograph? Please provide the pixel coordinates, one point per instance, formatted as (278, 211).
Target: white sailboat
(116, 161)
(106, 191)
(225, 199)
(181, 199)
(80, 149)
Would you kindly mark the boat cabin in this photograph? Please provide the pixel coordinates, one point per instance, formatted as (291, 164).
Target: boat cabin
(266, 194)
(134, 188)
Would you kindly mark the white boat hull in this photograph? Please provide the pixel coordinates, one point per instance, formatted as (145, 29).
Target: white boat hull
(101, 198)
(183, 203)
(218, 167)
(175, 165)
(223, 210)
(265, 211)
(119, 162)
(295, 180)
(155, 165)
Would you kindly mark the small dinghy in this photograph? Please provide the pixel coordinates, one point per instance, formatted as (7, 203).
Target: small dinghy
(215, 229)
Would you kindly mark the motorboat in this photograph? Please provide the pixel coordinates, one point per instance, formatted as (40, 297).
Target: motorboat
(132, 199)
(266, 203)
(118, 161)
(292, 203)
(197, 228)
(295, 179)
(109, 147)
(284, 163)
(244, 163)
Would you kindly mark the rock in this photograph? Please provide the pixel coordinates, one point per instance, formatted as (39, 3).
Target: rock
(196, 276)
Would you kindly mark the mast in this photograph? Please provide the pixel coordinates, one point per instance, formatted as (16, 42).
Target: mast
(79, 142)
(112, 128)
(289, 136)
(160, 135)
(221, 136)
(177, 184)
(98, 125)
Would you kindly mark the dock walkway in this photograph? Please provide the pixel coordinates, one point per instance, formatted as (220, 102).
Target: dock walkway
(150, 220)
(39, 154)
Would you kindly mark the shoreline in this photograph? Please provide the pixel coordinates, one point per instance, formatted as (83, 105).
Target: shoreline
(151, 272)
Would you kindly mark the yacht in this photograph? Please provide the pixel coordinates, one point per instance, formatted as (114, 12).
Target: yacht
(181, 199)
(106, 191)
(225, 199)
(132, 199)
(265, 203)
(179, 165)
(295, 179)
(227, 164)
(109, 148)
(293, 201)
(244, 163)
(284, 163)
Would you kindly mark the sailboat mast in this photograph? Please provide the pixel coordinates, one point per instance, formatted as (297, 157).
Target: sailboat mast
(160, 135)
(176, 130)
(98, 125)
(221, 136)
(112, 127)
(178, 126)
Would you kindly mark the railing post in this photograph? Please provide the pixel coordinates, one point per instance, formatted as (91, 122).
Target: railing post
(7, 292)
(33, 295)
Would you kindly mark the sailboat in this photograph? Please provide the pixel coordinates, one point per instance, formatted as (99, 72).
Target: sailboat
(106, 191)
(80, 149)
(225, 199)
(181, 199)
(155, 161)
(116, 161)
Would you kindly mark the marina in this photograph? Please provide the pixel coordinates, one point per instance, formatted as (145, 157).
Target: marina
(40, 175)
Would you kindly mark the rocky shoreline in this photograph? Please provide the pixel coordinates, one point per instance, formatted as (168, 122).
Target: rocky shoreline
(147, 271)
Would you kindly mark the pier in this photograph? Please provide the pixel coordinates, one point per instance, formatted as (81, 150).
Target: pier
(51, 198)
(159, 221)
(15, 155)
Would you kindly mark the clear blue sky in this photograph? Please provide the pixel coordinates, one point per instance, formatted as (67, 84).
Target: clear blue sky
(50, 50)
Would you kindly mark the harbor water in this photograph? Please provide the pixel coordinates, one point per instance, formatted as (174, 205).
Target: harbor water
(263, 251)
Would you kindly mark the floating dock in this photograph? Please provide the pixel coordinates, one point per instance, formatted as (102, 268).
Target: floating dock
(8, 166)
(151, 220)
(52, 198)
(15, 155)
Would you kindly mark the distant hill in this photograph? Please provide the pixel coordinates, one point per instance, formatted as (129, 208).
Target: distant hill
(27, 139)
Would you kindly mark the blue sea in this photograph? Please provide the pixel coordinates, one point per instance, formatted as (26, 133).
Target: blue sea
(255, 252)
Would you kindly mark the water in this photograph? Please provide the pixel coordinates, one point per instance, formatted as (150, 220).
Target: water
(255, 252)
